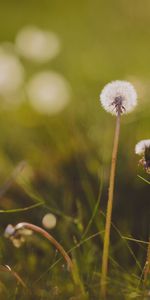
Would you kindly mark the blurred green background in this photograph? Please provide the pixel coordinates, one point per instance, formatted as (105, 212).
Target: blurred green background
(65, 153)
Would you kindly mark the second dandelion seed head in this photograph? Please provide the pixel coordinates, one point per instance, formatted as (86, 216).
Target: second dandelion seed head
(143, 148)
(118, 97)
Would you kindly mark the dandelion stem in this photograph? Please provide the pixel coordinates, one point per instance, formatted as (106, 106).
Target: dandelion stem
(70, 263)
(48, 237)
(109, 210)
(147, 264)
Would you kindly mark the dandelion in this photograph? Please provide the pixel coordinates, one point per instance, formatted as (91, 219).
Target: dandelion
(143, 148)
(36, 44)
(48, 92)
(117, 97)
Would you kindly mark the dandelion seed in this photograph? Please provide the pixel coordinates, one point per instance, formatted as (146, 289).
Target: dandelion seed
(36, 44)
(118, 97)
(143, 148)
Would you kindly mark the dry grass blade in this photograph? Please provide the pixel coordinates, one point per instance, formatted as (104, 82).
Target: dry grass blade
(8, 269)
(71, 265)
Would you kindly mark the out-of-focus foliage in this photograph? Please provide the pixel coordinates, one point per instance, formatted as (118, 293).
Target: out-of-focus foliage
(65, 152)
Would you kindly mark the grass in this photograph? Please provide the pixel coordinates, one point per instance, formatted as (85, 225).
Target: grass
(122, 283)
(64, 154)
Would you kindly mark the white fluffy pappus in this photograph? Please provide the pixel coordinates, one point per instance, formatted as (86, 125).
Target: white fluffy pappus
(118, 97)
(141, 146)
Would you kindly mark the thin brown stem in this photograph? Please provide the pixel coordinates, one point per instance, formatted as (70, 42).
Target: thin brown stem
(147, 265)
(13, 232)
(50, 238)
(109, 210)
(7, 268)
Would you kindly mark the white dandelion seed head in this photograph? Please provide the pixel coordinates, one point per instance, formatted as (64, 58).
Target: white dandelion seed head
(141, 146)
(37, 45)
(118, 97)
(48, 92)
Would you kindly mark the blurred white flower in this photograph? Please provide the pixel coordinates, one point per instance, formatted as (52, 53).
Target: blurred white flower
(9, 231)
(17, 236)
(37, 45)
(11, 73)
(48, 92)
(141, 146)
(118, 97)
(49, 221)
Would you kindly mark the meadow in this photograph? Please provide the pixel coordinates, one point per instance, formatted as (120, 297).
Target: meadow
(56, 159)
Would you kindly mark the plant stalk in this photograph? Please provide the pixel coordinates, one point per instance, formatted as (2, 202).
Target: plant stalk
(147, 264)
(71, 265)
(109, 210)
(48, 237)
